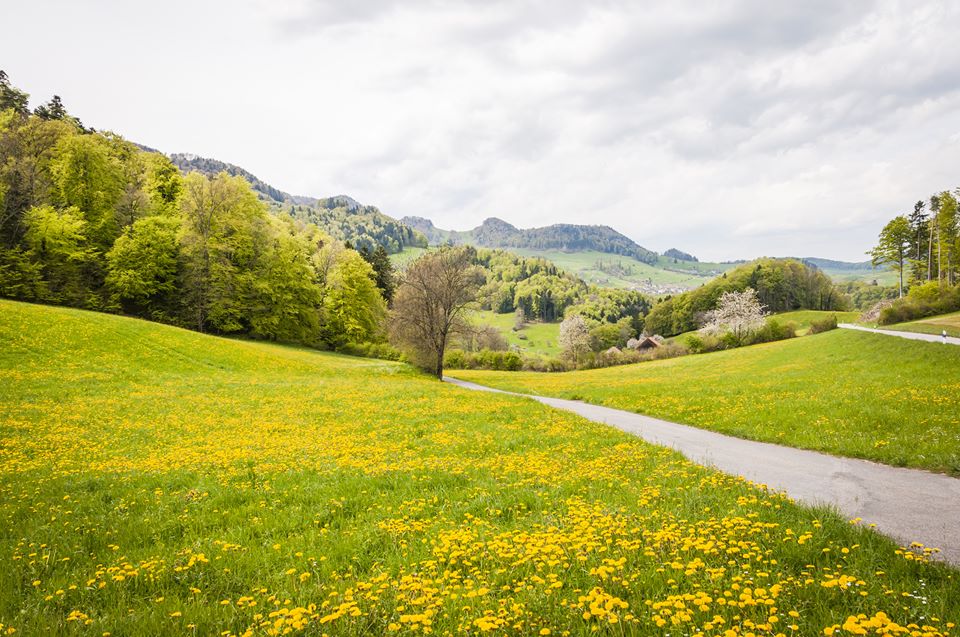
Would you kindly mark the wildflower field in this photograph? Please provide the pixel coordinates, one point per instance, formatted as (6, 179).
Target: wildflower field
(847, 393)
(156, 481)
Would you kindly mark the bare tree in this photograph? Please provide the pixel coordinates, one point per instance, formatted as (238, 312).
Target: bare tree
(429, 304)
(737, 312)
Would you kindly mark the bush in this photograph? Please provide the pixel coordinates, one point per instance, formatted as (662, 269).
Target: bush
(924, 300)
(383, 351)
(823, 325)
(484, 359)
(772, 330)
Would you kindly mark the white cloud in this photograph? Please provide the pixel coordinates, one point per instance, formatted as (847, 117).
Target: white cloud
(730, 130)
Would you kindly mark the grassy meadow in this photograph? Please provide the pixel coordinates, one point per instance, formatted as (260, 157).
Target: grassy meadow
(406, 255)
(931, 325)
(535, 338)
(804, 318)
(157, 481)
(848, 393)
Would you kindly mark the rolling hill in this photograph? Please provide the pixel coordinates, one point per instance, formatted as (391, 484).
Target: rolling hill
(835, 392)
(157, 481)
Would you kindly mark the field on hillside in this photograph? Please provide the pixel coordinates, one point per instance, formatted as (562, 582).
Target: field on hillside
(535, 338)
(804, 318)
(405, 256)
(626, 272)
(843, 392)
(931, 325)
(881, 276)
(157, 481)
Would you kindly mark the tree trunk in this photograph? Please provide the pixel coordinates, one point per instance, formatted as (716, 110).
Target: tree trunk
(901, 279)
(440, 351)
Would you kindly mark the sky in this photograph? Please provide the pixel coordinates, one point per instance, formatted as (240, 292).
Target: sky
(725, 129)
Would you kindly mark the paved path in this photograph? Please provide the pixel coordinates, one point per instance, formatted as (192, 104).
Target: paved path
(952, 340)
(906, 504)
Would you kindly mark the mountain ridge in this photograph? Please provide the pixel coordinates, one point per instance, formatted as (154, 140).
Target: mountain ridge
(494, 232)
(335, 213)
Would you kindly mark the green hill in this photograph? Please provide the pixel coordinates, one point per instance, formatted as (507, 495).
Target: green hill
(156, 481)
(848, 393)
(341, 216)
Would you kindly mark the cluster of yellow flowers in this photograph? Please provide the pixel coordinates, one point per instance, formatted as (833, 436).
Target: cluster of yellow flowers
(277, 491)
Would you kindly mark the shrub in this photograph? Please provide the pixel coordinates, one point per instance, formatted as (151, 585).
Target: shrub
(484, 359)
(383, 351)
(922, 302)
(823, 325)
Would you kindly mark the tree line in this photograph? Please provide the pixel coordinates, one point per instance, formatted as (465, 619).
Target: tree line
(90, 220)
(923, 248)
(781, 285)
(924, 245)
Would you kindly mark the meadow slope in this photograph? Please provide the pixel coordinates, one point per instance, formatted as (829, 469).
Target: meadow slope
(156, 481)
(847, 393)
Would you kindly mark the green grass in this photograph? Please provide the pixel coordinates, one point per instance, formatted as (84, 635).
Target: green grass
(652, 279)
(534, 338)
(804, 318)
(847, 393)
(405, 256)
(155, 481)
(931, 325)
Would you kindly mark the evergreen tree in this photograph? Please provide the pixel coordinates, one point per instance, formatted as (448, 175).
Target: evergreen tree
(54, 109)
(11, 97)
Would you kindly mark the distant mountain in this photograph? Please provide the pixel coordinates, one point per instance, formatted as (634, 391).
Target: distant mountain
(343, 217)
(497, 233)
(673, 253)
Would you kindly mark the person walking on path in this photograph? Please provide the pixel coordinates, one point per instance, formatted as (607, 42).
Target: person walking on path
(944, 336)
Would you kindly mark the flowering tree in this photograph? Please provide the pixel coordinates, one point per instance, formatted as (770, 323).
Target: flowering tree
(737, 312)
(574, 337)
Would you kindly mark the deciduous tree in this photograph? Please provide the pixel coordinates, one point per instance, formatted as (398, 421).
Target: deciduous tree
(429, 306)
(574, 337)
(738, 313)
(893, 246)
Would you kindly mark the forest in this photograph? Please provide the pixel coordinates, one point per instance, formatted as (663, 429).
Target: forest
(923, 248)
(91, 220)
(341, 216)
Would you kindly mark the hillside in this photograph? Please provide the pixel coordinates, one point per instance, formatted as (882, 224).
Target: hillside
(496, 233)
(183, 483)
(835, 392)
(343, 217)
(187, 162)
(844, 271)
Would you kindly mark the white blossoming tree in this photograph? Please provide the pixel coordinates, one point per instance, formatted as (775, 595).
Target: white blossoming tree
(574, 337)
(739, 313)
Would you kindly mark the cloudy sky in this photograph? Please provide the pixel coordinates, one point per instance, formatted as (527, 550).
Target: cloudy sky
(727, 129)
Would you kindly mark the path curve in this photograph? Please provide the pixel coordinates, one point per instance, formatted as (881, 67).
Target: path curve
(909, 505)
(914, 336)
